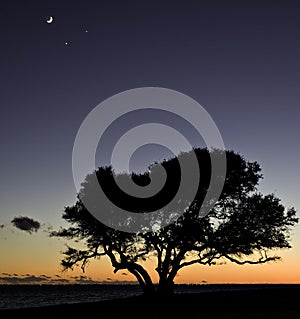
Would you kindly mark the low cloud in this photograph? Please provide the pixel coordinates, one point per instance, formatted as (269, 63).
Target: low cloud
(85, 280)
(111, 281)
(12, 279)
(60, 281)
(7, 278)
(26, 224)
(29, 279)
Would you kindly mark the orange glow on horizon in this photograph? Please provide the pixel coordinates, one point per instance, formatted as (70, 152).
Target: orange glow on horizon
(38, 254)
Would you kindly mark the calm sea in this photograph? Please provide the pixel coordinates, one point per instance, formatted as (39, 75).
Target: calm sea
(21, 296)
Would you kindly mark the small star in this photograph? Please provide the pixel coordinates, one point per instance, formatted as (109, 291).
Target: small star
(66, 43)
(86, 31)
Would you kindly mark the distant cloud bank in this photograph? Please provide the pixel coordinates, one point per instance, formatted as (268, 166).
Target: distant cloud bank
(7, 278)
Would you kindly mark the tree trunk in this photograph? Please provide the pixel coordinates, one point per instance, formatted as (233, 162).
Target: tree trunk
(143, 278)
(165, 287)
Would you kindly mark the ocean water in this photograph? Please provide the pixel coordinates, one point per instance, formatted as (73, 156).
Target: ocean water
(22, 296)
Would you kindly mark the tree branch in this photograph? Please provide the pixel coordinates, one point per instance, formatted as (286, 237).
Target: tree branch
(261, 260)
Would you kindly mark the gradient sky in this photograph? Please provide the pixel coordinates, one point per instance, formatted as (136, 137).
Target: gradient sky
(239, 59)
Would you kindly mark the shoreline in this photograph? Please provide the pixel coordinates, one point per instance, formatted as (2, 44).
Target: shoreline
(268, 302)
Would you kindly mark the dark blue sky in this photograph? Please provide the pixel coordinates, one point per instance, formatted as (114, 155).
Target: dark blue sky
(239, 59)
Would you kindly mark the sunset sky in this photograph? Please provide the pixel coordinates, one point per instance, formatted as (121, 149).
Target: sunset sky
(238, 59)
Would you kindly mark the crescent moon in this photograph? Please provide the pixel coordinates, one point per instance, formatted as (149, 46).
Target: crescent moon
(50, 20)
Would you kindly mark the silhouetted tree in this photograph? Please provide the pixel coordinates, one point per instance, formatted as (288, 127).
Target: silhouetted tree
(244, 226)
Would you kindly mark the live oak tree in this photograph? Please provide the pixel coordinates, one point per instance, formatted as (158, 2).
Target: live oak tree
(243, 227)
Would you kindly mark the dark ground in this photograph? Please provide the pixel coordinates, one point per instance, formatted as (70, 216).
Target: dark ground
(271, 302)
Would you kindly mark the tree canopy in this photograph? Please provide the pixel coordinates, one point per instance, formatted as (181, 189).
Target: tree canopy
(243, 227)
